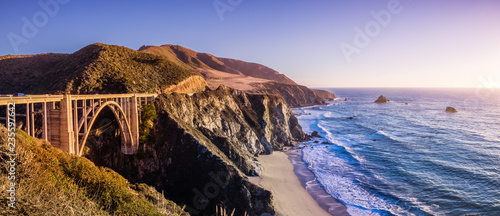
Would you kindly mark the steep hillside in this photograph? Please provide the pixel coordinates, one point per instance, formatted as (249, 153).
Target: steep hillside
(207, 140)
(52, 182)
(240, 75)
(97, 68)
(256, 70)
(197, 60)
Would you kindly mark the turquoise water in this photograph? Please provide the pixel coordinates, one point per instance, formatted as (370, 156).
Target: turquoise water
(408, 156)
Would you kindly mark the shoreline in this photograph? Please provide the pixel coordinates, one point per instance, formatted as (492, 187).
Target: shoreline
(292, 194)
(309, 182)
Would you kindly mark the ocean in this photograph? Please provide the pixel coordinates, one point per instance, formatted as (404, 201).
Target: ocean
(407, 156)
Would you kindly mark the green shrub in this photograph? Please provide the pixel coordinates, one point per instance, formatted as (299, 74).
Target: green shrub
(148, 115)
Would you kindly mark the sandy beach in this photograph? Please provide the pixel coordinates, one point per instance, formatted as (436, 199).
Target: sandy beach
(290, 197)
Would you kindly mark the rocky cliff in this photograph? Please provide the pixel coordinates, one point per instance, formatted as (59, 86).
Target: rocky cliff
(295, 95)
(200, 147)
(204, 146)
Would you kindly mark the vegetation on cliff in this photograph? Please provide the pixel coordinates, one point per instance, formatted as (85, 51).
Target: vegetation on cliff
(148, 115)
(241, 75)
(49, 181)
(96, 68)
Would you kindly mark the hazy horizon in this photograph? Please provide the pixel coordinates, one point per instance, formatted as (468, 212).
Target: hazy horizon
(326, 44)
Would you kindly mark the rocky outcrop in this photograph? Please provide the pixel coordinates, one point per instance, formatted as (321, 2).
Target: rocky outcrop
(204, 146)
(189, 85)
(324, 95)
(294, 95)
(382, 99)
(451, 109)
(239, 124)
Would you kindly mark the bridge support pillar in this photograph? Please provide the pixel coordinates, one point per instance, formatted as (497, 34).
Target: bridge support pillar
(134, 120)
(66, 132)
(44, 122)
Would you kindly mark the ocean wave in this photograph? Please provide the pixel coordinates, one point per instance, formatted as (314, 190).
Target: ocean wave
(333, 174)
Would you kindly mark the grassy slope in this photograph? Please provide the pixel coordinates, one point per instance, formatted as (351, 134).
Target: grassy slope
(95, 68)
(52, 182)
(192, 59)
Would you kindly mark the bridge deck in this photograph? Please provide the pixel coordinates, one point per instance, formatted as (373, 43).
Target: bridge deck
(54, 98)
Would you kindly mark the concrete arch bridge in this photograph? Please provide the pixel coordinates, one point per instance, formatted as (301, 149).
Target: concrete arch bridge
(67, 119)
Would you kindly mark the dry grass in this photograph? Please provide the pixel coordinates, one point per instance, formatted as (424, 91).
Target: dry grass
(52, 182)
(221, 211)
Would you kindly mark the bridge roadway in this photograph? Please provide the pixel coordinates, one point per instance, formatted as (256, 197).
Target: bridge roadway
(66, 120)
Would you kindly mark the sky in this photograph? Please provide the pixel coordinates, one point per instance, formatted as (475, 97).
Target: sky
(321, 43)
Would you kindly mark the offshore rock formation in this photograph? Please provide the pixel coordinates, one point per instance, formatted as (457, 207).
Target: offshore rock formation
(382, 99)
(451, 109)
(204, 146)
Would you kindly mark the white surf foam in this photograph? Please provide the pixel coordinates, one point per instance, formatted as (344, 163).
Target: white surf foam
(332, 173)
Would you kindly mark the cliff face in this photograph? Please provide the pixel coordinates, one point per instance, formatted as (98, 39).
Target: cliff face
(324, 95)
(295, 95)
(239, 124)
(205, 145)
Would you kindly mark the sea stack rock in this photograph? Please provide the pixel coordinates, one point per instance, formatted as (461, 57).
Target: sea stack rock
(382, 99)
(315, 134)
(451, 109)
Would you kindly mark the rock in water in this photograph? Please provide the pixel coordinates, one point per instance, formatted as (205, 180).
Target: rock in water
(451, 109)
(315, 134)
(382, 99)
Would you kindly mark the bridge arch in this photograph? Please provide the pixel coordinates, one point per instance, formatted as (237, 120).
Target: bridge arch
(128, 145)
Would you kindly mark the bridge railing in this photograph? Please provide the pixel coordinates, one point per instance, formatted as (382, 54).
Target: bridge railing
(4, 100)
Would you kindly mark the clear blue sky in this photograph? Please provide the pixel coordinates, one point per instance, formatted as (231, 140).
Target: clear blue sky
(426, 43)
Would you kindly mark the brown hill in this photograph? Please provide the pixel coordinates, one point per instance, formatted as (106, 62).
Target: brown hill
(196, 60)
(101, 68)
(96, 68)
(241, 75)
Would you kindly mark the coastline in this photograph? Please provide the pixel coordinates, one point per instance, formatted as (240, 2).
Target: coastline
(312, 186)
(292, 194)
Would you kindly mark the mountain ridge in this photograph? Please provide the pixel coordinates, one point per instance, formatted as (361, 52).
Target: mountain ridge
(238, 74)
(209, 61)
